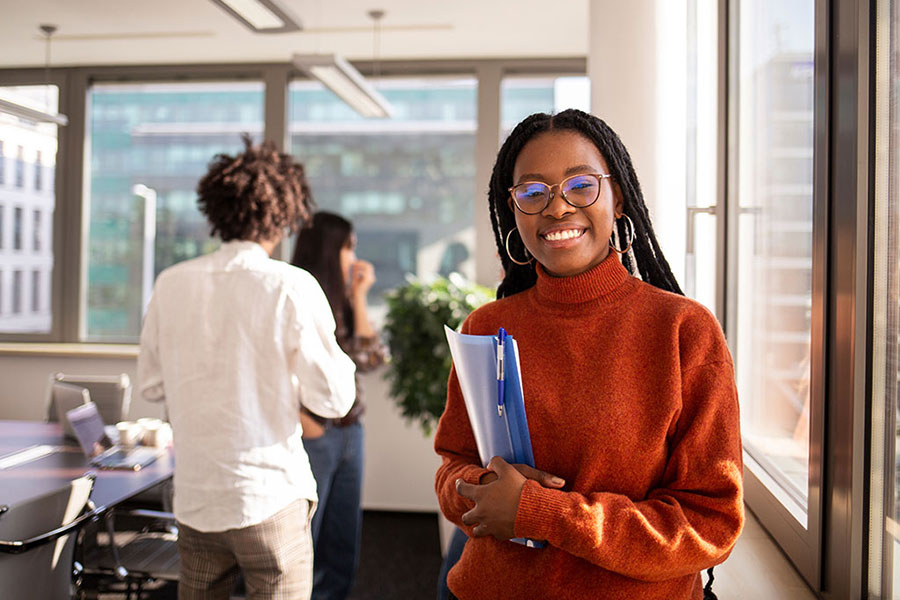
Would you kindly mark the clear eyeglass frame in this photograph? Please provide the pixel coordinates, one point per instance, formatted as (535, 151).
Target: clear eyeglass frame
(549, 197)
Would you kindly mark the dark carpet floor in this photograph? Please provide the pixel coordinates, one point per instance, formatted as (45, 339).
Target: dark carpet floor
(400, 559)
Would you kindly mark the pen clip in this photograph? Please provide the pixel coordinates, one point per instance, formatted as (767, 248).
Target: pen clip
(501, 376)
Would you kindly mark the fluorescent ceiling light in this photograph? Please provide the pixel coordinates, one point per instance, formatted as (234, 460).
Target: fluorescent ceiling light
(31, 114)
(261, 16)
(346, 82)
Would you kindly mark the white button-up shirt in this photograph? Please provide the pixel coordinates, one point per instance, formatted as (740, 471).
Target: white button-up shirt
(234, 342)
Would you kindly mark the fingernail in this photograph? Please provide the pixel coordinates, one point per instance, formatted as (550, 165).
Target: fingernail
(458, 481)
(556, 481)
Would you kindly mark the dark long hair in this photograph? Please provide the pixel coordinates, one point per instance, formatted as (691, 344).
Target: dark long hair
(651, 263)
(318, 250)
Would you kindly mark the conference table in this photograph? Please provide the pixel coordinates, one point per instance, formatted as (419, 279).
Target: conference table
(63, 462)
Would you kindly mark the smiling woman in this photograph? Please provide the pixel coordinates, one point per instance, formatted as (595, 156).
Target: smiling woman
(624, 379)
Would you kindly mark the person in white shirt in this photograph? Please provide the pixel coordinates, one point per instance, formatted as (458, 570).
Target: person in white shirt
(235, 342)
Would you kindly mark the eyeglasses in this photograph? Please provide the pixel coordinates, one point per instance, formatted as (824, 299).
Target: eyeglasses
(580, 191)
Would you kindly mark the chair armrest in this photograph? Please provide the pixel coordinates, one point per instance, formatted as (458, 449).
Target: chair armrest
(20, 546)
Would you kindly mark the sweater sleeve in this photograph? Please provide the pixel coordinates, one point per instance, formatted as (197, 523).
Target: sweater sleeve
(688, 523)
(455, 444)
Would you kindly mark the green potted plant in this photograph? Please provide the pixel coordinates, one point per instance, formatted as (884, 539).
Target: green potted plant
(414, 327)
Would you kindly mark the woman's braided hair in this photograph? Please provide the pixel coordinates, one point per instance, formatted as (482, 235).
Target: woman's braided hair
(255, 195)
(651, 263)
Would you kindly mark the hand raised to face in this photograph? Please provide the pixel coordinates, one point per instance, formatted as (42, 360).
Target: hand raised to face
(497, 497)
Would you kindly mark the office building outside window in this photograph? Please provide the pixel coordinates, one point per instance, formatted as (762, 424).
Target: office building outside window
(150, 144)
(2, 164)
(26, 209)
(405, 182)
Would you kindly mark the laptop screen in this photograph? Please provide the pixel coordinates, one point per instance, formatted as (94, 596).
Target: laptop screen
(88, 428)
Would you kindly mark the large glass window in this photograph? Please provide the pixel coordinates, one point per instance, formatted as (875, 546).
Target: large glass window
(150, 144)
(405, 182)
(521, 96)
(774, 216)
(22, 199)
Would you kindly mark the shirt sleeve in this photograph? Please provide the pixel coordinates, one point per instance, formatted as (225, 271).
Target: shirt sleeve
(689, 523)
(323, 374)
(367, 352)
(149, 370)
(455, 444)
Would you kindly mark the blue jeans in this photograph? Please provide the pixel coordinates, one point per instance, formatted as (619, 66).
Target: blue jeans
(454, 551)
(336, 459)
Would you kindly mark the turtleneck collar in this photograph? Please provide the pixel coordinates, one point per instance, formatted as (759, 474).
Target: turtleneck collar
(605, 282)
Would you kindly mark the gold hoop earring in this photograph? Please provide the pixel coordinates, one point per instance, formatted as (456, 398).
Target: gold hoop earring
(631, 234)
(506, 245)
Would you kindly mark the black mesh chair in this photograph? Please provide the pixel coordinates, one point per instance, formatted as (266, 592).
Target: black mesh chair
(37, 541)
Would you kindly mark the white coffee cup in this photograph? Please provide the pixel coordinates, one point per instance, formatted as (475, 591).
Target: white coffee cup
(129, 433)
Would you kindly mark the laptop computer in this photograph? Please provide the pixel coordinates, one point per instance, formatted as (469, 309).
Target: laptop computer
(96, 444)
(65, 397)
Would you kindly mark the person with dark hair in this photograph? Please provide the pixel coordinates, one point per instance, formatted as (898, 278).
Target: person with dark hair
(629, 391)
(327, 249)
(234, 343)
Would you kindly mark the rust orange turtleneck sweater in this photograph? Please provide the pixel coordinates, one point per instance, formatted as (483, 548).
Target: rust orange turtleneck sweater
(630, 397)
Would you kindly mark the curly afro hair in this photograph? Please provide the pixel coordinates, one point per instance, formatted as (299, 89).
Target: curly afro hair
(255, 195)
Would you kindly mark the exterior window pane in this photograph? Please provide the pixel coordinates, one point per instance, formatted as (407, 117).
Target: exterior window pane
(405, 182)
(774, 259)
(20, 167)
(17, 228)
(36, 227)
(150, 144)
(26, 206)
(35, 291)
(17, 292)
(38, 180)
(523, 96)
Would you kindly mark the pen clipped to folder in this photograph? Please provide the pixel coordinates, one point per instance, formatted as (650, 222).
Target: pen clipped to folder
(490, 379)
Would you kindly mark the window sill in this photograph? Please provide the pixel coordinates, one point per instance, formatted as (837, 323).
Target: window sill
(74, 350)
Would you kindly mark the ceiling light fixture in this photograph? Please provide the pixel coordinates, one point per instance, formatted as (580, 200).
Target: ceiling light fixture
(345, 81)
(260, 16)
(33, 114)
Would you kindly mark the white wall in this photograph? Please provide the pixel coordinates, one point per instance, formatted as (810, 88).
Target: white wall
(400, 461)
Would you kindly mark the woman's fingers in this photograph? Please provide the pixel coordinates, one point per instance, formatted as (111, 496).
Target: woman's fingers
(542, 477)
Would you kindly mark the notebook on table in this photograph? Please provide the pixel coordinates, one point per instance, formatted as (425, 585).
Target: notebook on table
(99, 448)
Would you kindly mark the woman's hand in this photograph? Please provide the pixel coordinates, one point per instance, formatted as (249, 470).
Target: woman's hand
(497, 498)
(312, 429)
(362, 276)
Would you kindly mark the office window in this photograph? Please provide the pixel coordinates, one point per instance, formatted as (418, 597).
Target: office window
(35, 291)
(36, 226)
(405, 182)
(150, 144)
(20, 167)
(2, 289)
(26, 207)
(773, 242)
(17, 292)
(2, 163)
(38, 171)
(17, 228)
(521, 96)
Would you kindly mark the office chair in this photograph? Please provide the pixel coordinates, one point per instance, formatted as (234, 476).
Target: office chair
(37, 541)
(111, 393)
(145, 551)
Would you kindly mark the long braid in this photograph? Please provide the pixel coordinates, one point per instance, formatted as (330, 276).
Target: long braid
(651, 264)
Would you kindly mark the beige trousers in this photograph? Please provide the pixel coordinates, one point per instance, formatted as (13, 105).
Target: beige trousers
(274, 556)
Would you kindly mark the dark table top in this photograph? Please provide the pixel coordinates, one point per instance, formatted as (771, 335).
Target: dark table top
(50, 472)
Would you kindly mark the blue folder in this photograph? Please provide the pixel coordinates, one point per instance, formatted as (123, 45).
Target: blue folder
(497, 433)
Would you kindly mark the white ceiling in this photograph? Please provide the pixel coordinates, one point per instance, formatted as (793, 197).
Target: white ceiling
(117, 32)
